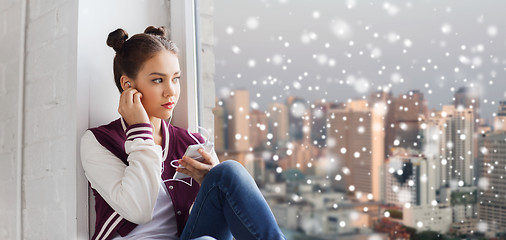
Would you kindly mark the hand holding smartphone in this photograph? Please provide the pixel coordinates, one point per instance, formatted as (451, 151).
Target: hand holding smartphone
(191, 151)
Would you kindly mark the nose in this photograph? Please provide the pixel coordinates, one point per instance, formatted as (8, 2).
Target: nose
(170, 89)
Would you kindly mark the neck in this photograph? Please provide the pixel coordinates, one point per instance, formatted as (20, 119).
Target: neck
(156, 122)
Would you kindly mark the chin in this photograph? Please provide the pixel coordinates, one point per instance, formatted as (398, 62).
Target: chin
(165, 115)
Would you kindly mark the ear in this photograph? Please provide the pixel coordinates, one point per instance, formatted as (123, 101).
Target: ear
(126, 82)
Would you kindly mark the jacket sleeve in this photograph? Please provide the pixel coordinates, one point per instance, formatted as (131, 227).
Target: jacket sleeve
(130, 190)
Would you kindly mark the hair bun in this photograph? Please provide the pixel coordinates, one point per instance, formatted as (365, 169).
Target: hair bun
(161, 31)
(116, 39)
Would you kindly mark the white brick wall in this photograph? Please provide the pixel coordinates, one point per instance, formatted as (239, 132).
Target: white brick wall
(49, 154)
(37, 92)
(38, 133)
(11, 65)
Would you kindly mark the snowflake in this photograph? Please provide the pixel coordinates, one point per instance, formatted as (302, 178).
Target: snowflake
(483, 183)
(492, 31)
(316, 14)
(236, 49)
(229, 30)
(277, 59)
(482, 226)
(252, 63)
(252, 23)
(340, 28)
(361, 85)
(351, 4)
(298, 109)
(408, 43)
(446, 28)
(391, 9)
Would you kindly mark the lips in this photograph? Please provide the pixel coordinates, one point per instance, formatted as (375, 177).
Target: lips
(169, 105)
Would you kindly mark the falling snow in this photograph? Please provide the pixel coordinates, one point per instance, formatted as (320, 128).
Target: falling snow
(348, 87)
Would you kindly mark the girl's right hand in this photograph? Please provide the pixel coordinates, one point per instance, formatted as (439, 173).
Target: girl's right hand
(131, 108)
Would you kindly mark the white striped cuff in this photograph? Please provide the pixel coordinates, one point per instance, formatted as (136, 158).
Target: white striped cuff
(139, 130)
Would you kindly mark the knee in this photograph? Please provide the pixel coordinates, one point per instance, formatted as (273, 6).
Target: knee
(228, 167)
(229, 170)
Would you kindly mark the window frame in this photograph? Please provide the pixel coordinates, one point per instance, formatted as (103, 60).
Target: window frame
(184, 34)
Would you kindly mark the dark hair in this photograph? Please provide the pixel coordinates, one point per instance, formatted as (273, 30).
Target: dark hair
(132, 53)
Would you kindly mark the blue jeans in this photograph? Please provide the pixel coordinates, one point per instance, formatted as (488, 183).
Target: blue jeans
(230, 203)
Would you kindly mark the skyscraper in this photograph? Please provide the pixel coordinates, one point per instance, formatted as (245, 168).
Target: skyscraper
(481, 133)
(278, 124)
(259, 127)
(401, 117)
(453, 130)
(408, 179)
(355, 139)
(297, 107)
(318, 122)
(460, 128)
(237, 106)
(402, 126)
(500, 118)
(256, 167)
(449, 136)
(492, 201)
(220, 128)
(299, 156)
(381, 102)
(468, 98)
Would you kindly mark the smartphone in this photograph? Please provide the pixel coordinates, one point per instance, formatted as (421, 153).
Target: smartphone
(191, 151)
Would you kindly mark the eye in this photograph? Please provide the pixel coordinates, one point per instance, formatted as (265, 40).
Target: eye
(158, 80)
(176, 79)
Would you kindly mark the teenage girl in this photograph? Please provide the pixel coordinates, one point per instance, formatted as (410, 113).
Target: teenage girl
(131, 162)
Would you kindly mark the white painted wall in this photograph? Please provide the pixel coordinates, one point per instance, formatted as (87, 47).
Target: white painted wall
(96, 20)
(98, 95)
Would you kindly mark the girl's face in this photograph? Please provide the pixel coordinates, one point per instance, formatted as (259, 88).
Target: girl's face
(158, 81)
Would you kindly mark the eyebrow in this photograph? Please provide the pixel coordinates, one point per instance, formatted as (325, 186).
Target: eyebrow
(157, 73)
(163, 74)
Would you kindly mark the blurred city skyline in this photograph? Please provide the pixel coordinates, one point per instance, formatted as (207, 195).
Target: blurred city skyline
(362, 161)
(392, 163)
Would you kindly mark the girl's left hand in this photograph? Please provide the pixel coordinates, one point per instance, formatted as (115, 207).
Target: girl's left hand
(196, 169)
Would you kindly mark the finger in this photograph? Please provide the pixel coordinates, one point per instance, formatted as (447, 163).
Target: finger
(193, 165)
(128, 97)
(122, 97)
(137, 97)
(184, 170)
(123, 100)
(207, 157)
(185, 163)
